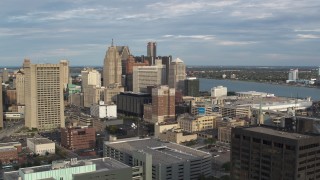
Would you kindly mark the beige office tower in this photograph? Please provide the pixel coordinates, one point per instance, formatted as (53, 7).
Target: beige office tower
(5, 75)
(65, 73)
(177, 74)
(1, 104)
(20, 87)
(145, 76)
(91, 85)
(112, 68)
(44, 107)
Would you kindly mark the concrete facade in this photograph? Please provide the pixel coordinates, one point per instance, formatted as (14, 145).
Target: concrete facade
(20, 83)
(196, 123)
(41, 146)
(44, 104)
(177, 74)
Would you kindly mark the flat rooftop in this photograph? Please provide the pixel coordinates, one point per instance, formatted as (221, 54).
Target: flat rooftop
(39, 140)
(162, 152)
(9, 144)
(279, 133)
(102, 164)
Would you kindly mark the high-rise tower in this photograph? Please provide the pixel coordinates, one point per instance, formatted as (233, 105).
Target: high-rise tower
(20, 87)
(152, 52)
(44, 106)
(1, 104)
(5, 75)
(112, 68)
(177, 74)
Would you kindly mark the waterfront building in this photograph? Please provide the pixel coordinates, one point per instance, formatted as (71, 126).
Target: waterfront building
(219, 91)
(161, 160)
(293, 75)
(191, 86)
(177, 74)
(265, 153)
(98, 169)
(44, 104)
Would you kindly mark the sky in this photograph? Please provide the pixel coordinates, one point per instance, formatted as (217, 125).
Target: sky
(200, 32)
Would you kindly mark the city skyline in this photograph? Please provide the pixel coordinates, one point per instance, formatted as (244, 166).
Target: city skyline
(203, 32)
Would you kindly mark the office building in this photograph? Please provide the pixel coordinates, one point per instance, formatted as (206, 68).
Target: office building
(98, 169)
(91, 86)
(41, 146)
(112, 68)
(131, 104)
(9, 152)
(196, 123)
(65, 72)
(219, 91)
(166, 61)
(5, 75)
(160, 160)
(152, 52)
(1, 105)
(293, 75)
(111, 92)
(144, 76)
(264, 153)
(163, 105)
(44, 104)
(20, 87)
(78, 138)
(191, 86)
(177, 135)
(102, 110)
(10, 97)
(177, 74)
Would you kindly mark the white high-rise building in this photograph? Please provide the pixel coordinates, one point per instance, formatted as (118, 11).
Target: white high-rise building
(91, 86)
(293, 75)
(44, 105)
(177, 74)
(144, 76)
(219, 91)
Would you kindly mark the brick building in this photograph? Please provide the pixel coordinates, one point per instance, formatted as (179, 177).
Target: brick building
(78, 138)
(9, 152)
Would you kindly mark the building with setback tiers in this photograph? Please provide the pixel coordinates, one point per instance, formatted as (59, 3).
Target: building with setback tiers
(44, 104)
(265, 153)
(177, 74)
(161, 160)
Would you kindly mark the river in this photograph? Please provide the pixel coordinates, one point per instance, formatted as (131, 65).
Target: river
(276, 89)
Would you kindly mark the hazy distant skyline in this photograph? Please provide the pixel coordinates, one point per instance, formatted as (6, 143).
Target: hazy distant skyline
(203, 32)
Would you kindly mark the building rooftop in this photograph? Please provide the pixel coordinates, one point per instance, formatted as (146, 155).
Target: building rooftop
(162, 152)
(278, 133)
(9, 144)
(39, 140)
(101, 164)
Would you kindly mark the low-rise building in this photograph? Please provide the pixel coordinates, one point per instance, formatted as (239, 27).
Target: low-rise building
(164, 126)
(9, 152)
(224, 134)
(78, 138)
(196, 123)
(102, 110)
(177, 135)
(161, 160)
(41, 146)
(99, 169)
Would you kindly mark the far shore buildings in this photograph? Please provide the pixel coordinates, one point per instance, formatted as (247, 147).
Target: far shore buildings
(44, 104)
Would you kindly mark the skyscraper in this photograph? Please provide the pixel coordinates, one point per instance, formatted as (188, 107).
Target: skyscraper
(1, 104)
(177, 74)
(44, 105)
(112, 68)
(65, 73)
(191, 87)
(163, 103)
(91, 83)
(5, 75)
(152, 52)
(20, 87)
(293, 75)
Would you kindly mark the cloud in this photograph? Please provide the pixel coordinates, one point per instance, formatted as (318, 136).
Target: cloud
(235, 43)
(201, 37)
(308, 36)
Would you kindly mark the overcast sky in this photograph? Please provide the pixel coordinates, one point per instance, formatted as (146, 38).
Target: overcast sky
(203, 32)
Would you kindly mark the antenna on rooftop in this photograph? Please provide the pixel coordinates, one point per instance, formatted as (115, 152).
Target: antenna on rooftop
(112, 42)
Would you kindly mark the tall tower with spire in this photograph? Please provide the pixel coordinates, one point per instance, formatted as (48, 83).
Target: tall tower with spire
(112, 68)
